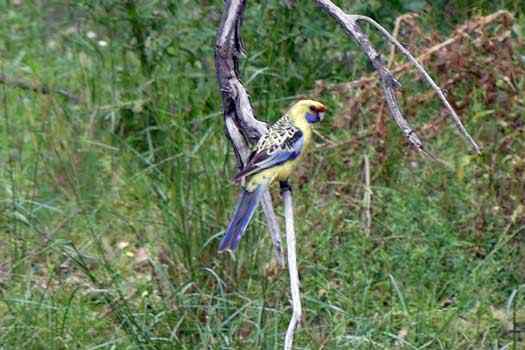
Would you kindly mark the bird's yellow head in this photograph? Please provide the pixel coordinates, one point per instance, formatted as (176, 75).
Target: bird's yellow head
(307, 112)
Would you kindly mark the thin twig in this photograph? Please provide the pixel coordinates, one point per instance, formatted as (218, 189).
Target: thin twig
(367, 196)
(388, 82)
(395, 34)
(428, 78)
(292, 270)
(37, 87)
(271, 222)
(465, 31)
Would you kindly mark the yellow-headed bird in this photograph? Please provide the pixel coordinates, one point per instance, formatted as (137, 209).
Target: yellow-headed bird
(274, 158)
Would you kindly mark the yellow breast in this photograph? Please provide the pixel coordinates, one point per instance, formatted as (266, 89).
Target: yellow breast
(281, 172)
(284, 171)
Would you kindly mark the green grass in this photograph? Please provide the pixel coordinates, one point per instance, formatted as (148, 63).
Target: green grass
(111, 209)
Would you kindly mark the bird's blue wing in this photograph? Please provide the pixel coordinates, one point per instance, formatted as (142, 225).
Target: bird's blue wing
(273, 155)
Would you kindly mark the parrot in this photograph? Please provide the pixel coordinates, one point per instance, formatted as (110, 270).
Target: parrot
(274, 157)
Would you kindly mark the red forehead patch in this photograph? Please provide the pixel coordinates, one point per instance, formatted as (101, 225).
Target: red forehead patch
(320, 109)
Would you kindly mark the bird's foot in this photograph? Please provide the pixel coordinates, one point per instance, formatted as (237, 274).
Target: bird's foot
(285, 186)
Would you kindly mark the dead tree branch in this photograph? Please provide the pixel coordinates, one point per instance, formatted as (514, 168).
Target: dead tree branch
(297, 312)
(37, 87)
(241, 126)
(367, 196)
(388, 81)
(465, 31)
(395, 34)
(243, 129)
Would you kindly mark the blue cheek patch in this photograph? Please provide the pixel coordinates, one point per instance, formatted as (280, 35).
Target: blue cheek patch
(312, 118)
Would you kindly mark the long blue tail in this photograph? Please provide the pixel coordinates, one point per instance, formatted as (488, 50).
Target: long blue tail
(244, 211)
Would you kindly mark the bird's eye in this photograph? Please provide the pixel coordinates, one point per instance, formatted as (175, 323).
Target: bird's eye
(313, 109)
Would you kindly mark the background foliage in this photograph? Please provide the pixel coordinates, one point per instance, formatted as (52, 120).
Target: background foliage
(111, 208)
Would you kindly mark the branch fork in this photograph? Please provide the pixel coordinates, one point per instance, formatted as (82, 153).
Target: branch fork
(243, 129)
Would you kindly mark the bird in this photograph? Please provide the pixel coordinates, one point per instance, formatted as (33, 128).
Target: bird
(274, 157)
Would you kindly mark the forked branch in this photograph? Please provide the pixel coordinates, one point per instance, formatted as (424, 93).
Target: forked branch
(388, 82)
(241, 127)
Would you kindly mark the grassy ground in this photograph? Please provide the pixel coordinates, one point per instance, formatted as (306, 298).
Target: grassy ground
(111, 208)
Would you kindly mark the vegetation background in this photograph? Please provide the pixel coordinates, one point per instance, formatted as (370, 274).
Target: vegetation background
(112, 204)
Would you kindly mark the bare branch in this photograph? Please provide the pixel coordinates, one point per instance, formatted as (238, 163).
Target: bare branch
(465, 31)
(428, 78)
(395, 34)
(388, 82)
(271, 222)
(37, 87)
(243, 129)
(367, 196)
(297, 313)
(241, 126)
(236, 103)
